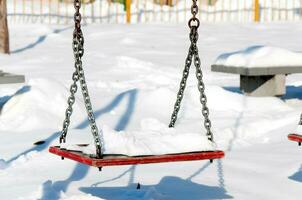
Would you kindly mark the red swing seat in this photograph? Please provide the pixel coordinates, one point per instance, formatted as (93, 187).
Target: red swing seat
(296, 138)
(114, 160)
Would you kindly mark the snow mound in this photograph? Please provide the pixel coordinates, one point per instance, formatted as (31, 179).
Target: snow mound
(220, 99)
(260, 56)
(42, 100)
(153, 140)
(159, 100)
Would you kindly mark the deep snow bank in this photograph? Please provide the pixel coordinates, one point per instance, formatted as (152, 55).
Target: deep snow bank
(42, 103)
(39, 104)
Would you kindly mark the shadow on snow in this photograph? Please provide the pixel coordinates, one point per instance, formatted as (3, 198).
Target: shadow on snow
(5, 99)
(292, 92)
(125, 117)
(169, 187)
(52, 190)
(297, 176)
(40, 40)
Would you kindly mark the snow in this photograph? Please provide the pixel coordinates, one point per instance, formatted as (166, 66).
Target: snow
(133, 74)
(28, 110)
(298, 130)
(261, 56)
(154, 139)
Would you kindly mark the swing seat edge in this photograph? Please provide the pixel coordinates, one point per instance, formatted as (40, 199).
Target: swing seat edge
(115, 160)
(295, 137)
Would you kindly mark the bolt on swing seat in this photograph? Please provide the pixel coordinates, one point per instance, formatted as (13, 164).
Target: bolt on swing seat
(99, 159)
(295, 138)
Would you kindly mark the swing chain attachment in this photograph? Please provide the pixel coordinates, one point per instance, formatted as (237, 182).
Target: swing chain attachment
(193, 24)
(78, 75)
(194, 21)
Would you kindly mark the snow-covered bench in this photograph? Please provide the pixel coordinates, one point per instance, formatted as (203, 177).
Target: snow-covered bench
(262, 69)
(7, 78)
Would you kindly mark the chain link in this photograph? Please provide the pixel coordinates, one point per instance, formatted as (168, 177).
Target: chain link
(79, 76)
(193, 54)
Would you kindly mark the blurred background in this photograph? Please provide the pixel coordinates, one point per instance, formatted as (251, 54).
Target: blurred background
(153, 11)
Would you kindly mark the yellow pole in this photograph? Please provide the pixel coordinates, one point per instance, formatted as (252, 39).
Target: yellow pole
(257, 11)
(128, 10)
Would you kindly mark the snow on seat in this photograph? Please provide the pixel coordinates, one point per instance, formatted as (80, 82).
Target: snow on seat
(156, 143)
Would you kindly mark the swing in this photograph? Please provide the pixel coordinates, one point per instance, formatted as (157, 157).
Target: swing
(296, 137)
(99, 159)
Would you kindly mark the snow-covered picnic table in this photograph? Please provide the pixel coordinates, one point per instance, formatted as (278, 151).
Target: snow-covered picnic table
(262, 69)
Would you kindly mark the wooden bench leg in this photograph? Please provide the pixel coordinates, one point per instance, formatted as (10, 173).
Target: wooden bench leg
(273, 85)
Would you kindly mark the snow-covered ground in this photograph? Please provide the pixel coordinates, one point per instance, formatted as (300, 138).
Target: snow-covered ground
(133, 74)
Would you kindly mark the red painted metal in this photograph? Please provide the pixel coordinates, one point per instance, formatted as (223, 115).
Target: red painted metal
(295, 137)
(112, 160)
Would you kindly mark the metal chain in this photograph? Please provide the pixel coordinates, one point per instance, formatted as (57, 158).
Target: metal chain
(78, 49)
(193, 53)
(69, 110)
(182, 88)
(201, 88)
